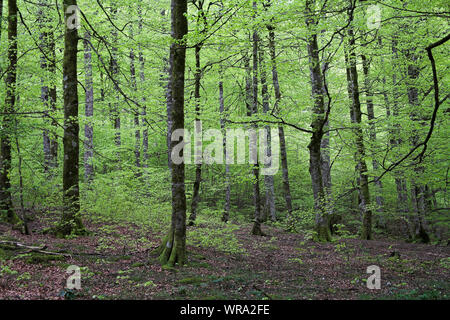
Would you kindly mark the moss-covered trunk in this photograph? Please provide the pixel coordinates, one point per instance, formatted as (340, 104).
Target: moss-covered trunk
(360, 153)
(6, 205)
(71, 220)
(323, 232)
(173, 248)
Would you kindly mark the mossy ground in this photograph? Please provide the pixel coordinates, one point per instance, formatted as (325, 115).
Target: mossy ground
(119, 263)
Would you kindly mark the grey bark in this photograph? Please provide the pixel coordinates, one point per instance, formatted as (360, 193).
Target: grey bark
(356, 117)
(277, 92)
(197, 80)
(268, 179)
(226, 211)
(418, 189)
(6, 205)
(315, 164)
(173, 249)
(137, 130)
(145, 154)
(114, 71)
(373, 137)
(256, 230)
(89, 110)
(71, 221)
(48, 93)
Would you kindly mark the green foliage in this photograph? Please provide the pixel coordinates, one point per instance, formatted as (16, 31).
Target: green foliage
(216, 235)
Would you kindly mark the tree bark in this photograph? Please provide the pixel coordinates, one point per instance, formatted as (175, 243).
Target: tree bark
(373, 138)
(395, 141)
(6, 205)
(268, 179)
(48, 93)
(173, 248)
(417, 188)
(137, 130)
(283, 151)
(71, 221)
(356, 118)
(226, 211)
(197, 84)
(89, 110)
(114, 71)
(145, 154)
(256, 230)
(323, 232)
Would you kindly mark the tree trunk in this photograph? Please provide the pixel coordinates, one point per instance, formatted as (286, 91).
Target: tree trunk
(173, 248)
(268, 179)
(283, 152)
(114, 71)
(145, 155)
(418, 189)
(373, 138)
(48, 94)
(256, 230)
(323, 232)
(89, 110)
(356, 118)
(198, 133)
(395, 142)
(137, 130)
(226, 211)
(71, 221)
(6, 205)
(326, 164)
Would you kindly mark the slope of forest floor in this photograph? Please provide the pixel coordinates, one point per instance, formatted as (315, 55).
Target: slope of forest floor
(117, 263)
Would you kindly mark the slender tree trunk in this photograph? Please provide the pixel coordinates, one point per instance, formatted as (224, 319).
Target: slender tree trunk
(52, 100)
(400, 181)
(198, 133)
(145, 154)
(6, 205)
(256, 230)
(71, 220)
(283, 152)
(201, 17)
(1, 20)
(326, 164)
(173, 248)
(43, 38)
(89, 110)
(417, 188)
(226, 211)
(268, 179)
(48, 88)
(355, 110)
(373, 137)
(323, 232)
(114, 71)
(137, 130)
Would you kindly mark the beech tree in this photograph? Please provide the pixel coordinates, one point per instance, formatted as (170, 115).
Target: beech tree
(173, 248)
(71, 221)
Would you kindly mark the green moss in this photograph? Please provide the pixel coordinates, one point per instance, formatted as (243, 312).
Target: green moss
(6, 254)
(190, 280)
(138, 264)
(40, 258)
(120, 258)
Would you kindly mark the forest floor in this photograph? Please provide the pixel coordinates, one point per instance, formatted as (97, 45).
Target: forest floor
(117, 263)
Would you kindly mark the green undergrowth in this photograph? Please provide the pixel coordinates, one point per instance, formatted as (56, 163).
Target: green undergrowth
(215, 234)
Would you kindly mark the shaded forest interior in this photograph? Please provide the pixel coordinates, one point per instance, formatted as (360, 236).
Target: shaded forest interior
(224, 149)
